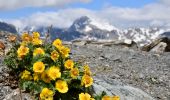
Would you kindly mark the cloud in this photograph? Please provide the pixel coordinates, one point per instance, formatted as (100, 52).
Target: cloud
(14, 4)
(155, 14)
(62, 18)
(165, 2)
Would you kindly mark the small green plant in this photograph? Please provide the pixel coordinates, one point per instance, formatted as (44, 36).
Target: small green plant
(46, 70)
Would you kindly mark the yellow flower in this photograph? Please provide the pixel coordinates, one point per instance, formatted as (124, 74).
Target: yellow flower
(54, 72)
(74, 72)
(36, 76)
(115, 98)
(57, 43)
(106, 98)
(54, 55)
(46, 94)
(38, 51)
(87, 70)
(24, 43)
(38, 67)
(64, 51)
(69, 64)
(84, 96)
(61, 86)
(87, 80)
(36, 35)
(22, 51)
(45, 77)
(26, 75)
(37, 41)
(26, 37)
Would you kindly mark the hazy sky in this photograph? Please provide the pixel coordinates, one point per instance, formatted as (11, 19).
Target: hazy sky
(61, 13)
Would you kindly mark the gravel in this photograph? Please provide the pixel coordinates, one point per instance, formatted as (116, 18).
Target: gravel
(147, 71)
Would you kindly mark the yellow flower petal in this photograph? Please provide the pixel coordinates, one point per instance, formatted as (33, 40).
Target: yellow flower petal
(57, 43)
(45, 77)
(26, 75)
(69, 64)
(74, 72)
(38, 67)
(84, 96)
(64, 51)
(87, 80)
(54, 55)
(38, 51)
(36, 35)
(46, 94)
(87, 70)
(37, 41)
(54, 72)
(22, 51)
(36, 76)
(106, 98)
(26, 37)
(61, 86)
(115, 98)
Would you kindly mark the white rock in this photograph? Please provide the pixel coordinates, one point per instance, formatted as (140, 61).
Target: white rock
(160, 48)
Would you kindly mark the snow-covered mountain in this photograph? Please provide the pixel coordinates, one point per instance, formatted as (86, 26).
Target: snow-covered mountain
(90, 29)
(141, 36)
(85, 24)
(82, 28)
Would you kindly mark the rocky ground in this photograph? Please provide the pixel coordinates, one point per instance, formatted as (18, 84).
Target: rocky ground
(149, 72)
(119, 70)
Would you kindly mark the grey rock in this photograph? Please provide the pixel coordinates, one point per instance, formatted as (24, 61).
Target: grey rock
(17, 95)
(124, 91)
(4, 90)
(160, 48)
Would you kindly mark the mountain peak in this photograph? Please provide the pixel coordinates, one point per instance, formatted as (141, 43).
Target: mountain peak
(82, 20)
(80, 23)
(85, 24)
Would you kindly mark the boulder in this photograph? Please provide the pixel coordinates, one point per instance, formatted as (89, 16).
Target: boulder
(12, 38)
(127, 43)
(160, 48)
(158, 43)
(2, 45)
(113, 87)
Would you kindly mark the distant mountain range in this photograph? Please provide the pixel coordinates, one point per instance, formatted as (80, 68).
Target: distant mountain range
(7, 27)
(88, 29)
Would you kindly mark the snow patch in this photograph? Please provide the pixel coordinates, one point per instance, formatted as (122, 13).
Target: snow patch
(87, 29)
(103, 25)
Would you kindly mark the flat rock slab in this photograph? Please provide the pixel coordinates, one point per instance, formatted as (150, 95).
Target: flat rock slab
(112, 87)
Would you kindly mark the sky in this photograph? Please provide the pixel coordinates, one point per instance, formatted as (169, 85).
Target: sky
(62, 13)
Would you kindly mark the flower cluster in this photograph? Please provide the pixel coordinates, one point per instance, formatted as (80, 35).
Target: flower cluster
(46, 70)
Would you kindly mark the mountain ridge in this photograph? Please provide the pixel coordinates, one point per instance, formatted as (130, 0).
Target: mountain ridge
(85, 28)
(7, 27)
